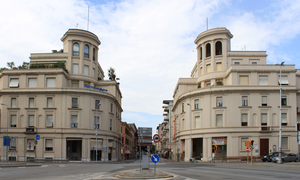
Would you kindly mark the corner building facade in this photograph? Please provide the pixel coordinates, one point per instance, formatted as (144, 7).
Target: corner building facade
(62, 105)
(231, 97)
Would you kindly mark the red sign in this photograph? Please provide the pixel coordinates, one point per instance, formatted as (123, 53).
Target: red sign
(156, 138)
(247, 149)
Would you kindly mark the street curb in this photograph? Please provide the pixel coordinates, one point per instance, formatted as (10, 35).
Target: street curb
(148, 177)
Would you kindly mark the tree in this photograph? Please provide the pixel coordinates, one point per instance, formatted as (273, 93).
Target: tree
(111, 74)
(11, 64)
(25, 65)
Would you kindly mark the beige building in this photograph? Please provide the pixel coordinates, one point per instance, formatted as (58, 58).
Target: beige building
(233, 96)
(62, 105)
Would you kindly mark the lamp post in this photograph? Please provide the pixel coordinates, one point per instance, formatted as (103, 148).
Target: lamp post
(97, 126)
(190, 130)
(6, 128)
(280, 120)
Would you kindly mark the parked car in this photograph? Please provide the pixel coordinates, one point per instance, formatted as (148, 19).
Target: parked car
(289, 157)
(269, 157)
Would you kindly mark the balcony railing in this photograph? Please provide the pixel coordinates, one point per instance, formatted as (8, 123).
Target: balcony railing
(265, 128)
(30, 130)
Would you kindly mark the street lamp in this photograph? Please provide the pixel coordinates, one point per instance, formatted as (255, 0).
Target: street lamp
(6, 128)
(190, 130)
(97, 126)
(280, 128)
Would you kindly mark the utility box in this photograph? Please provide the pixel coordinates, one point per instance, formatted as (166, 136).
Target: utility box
(146, 162)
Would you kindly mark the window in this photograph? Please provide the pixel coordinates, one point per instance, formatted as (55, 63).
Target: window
(208, 68)
(49, 102)
(86, 70)
(74, 121)
(254, 62)
(264, 121)
(97, 104)
(284, 119)
(244, 80)
(219, 82)
(263, 80)
(75, 84)
(75, 68)
(208, 50)
(75, 49)
(31, 121)
(30, 144)
(182, 124)
(244, 100)
(284, 80)
(32, 82)
(86, 51)
(50, 82)
(96, 122)
(236, 62)
(243, 141)
(31, 102)
(110, 125)
(284, 143)
(219, 66)
(49, 145)
(219, 101)
(201, 71)
(218, 48)
(200, 53)
(13, 121)
(94, 54)
(49, 121)
(182, 107)
(196, 104)
(197, 121)
(74, 102)
(93, 72)
(244, 119)
(219, 118)
(14, 83)
(111, 107)
(283, 100)
(13, 102)
(264, 101)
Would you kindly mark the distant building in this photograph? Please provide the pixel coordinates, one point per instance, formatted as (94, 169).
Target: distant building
(231, 97)
(59, 98)
(129, 140)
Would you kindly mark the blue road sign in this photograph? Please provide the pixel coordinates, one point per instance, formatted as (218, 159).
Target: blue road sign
(37, 137)
(155, 158)
(6, 141)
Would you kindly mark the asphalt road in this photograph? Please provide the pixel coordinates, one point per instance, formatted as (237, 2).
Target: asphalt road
(181, 171)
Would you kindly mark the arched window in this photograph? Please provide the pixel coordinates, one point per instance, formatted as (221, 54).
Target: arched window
(86, 51)
(208, 50)
(94, 54)
(75, 49)
(218, 48)
(200, 53)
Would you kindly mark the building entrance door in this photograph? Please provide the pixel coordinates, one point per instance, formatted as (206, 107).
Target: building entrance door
(74, 149)
(264, 147)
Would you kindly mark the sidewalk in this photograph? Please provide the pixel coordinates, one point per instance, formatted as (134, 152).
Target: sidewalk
(17, 164)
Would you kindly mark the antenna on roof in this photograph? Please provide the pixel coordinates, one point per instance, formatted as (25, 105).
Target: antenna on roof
(207, 23)
(88, 17)
(77, 25)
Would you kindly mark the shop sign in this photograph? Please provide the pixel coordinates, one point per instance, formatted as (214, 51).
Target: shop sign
(93, 87)
(219, 141)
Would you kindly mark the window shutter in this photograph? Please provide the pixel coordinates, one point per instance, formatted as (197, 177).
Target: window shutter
(197, 121)
(32, 82)
(51, 82)
(219, 66)
(264, 118)
(283, 117)
(208, 68)
(49, 121)
(49, 102)
(75, 68)
(244, 80)
(86, 70)
(49, 142)
(14, 83)
(13, 120)
(284, 143)
(13, 102)
(74, 119)
(244, 117)
(263, 80)
(74, 103)
(31, 121)
(264, 100)
(31, 102)
(284, 80)
(219, 118)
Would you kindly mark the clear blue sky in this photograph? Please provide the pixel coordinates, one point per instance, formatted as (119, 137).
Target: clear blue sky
(149, 43)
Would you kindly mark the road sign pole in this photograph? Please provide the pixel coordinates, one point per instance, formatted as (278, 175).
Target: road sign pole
(251, 155)
(140, 160)
(247, 155)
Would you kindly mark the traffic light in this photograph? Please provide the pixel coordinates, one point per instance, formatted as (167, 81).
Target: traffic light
(247, 143)
(251, 143)
(298, 126)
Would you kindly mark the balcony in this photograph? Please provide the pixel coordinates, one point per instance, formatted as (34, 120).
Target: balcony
(265, 128)
(166, 117)
(30, 130)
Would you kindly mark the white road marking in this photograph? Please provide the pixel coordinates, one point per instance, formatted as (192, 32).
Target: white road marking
(43, 166)
(21, 167)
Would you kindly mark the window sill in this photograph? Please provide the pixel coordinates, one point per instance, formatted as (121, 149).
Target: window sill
(49, 108)
(223, 107)
(284, 106)
(85, 58)
(13, 108)
(264, 106)
(199, 109)
(74, 109)
(111, 113)
(31, 108)
(49, 151)
(245, 106)
(99, 110)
